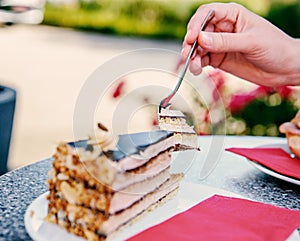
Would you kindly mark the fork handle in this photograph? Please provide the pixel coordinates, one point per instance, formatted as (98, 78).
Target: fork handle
(165, 102)
(208, 17)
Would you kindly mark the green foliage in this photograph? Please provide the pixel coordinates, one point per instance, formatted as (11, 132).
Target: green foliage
(262, 118)
(158, 19)
(95, 5)
(136, 17)
(286, 17)
(258, 111)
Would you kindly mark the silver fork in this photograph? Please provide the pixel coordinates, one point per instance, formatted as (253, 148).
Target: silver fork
(165, 102)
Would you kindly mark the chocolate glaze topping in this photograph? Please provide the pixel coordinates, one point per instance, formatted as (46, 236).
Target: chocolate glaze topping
(131, 143)
(128, 144)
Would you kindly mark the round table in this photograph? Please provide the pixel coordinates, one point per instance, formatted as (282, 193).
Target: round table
(230, 172)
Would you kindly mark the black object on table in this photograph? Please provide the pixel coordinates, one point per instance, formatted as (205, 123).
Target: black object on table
(7, 110)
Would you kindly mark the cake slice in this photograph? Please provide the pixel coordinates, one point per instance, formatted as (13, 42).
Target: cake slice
(99, 185)
(175, 122)
(292, 131)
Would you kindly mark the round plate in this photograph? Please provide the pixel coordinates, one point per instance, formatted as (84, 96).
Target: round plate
(270, 171)
(189, 195)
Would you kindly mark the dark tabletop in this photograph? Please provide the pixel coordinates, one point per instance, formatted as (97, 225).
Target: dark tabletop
(20, 187)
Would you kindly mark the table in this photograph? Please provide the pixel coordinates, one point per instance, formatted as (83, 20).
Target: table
(233, 173)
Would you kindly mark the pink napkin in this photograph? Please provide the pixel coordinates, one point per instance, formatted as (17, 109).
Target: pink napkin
(226, 218)
(275, 159)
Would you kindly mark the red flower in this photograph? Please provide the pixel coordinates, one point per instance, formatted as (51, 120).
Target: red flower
(179, 64)
(218, 77)
(238, 102)
(206, 117)
(216, 95)
(262, 91)
(203, 134)
(118, 90)
(154, 122)
(285, 92)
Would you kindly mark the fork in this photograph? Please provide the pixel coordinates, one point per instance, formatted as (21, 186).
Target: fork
(165, 102)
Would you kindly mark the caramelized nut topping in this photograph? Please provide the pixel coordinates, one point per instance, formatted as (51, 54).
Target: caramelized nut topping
(102, 127)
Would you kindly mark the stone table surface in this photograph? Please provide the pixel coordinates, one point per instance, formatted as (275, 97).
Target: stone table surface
(212, 166)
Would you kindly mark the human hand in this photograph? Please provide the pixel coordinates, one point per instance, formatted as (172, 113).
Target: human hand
(244, 44)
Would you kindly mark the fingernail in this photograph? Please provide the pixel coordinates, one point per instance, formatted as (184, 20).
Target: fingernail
(206, 39)
(188, 33)
(182, 51)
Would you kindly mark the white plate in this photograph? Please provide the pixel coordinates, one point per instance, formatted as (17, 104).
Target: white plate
(273, 173)
(189, 195)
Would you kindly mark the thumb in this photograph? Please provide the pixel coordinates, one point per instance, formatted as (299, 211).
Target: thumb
(223, 42)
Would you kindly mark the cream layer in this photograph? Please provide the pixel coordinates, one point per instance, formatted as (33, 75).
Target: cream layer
(131, 194)
(177, 128)
(171, 113)
(66, 214)
(116, 221)
(152, 168)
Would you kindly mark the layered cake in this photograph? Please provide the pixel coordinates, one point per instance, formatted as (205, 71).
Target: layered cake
(175, 121)
(99, 185)
(292, 131)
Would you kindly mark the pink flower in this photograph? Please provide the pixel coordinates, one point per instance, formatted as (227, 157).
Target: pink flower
(285, 92)
(238, 102)
(118, 90)
(218, 77)
(203, 134)
(262, 91)
(154, 122)
(206, 117)
(179, 64)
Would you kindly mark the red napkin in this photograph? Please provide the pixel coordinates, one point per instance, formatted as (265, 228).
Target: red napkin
(226, 218)
(275, 159)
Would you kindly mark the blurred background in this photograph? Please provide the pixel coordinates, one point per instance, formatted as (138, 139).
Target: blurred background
(49, 49)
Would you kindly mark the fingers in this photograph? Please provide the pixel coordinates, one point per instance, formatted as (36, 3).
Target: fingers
(185, 50)
(225, 20)
(195, 23)
(195, 65)
(220, 36)
(225, 14)
(198, 63)
(205, 60)
(225, 42)
(193, 29)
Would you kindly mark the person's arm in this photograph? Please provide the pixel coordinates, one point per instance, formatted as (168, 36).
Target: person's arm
(244, 44)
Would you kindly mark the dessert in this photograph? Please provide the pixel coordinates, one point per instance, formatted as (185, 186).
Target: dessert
(98, 186)
(175, 121)
(292, 132)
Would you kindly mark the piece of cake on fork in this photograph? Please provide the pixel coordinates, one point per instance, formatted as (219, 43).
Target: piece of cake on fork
(175, 121)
